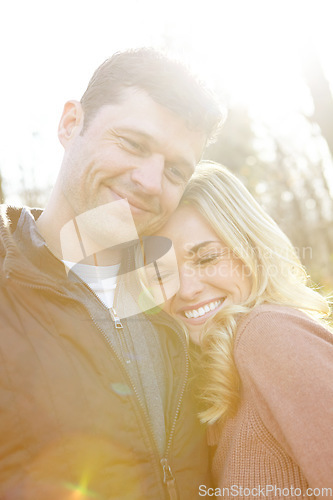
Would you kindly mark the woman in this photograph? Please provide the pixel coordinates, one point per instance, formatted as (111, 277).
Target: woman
(266, 360)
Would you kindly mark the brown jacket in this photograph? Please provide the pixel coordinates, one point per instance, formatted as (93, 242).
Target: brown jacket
(70, 418)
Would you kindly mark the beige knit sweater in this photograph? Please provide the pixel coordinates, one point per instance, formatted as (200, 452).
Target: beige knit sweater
(282, 434)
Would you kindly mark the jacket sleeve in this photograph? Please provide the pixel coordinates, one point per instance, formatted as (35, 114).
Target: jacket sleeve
(285, 360)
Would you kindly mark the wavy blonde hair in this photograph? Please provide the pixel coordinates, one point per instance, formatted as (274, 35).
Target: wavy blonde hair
(276, 273)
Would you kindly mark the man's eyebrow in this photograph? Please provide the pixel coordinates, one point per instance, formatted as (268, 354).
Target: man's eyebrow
(197, 247)
(135, 131)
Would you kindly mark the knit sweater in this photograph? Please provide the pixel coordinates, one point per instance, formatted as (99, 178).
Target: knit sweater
(282, 434)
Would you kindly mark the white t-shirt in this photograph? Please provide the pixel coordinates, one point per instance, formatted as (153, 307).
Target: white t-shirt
(101, 279)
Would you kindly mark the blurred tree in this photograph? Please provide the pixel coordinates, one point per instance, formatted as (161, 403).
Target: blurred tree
(288, 179)
(30, 193)
(320, 92)
(2, 194)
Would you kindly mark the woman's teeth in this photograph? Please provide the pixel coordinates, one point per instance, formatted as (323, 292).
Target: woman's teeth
(196, 313)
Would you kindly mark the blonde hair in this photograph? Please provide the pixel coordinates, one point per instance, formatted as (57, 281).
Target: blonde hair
(271, 261)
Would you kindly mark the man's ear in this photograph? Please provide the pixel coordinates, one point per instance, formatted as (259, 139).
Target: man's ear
(71, 122)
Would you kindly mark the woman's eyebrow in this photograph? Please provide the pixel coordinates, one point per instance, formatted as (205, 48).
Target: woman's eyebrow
(197, 247)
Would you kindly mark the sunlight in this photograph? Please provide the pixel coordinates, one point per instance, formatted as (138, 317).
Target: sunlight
(247, 51)
(79, 492)
(254, 57)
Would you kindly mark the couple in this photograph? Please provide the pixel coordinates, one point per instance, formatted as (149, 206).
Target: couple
(95, 400)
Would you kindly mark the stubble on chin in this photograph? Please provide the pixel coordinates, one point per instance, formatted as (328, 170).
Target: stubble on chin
(151, 227)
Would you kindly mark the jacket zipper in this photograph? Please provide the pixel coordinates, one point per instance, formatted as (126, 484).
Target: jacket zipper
(115, 318)
(169, 480)
(168, 477)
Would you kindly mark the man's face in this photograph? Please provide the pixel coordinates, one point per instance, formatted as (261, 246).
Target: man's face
(136, 150)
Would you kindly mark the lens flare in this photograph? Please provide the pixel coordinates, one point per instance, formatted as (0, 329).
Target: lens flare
(80, 492)
(121, 389)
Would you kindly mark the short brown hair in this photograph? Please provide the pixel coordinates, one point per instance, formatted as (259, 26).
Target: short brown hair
(166, 81)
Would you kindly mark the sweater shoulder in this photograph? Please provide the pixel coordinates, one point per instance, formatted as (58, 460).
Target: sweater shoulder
(271, 326)
(270, 312)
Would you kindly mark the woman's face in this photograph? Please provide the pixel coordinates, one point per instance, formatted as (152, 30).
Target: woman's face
(211, 277)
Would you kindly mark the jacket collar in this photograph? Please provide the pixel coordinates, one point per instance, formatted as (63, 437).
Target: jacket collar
(27, 257)
(25, 253)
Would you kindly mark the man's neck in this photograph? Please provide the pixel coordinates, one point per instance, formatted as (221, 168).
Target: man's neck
(51, 234)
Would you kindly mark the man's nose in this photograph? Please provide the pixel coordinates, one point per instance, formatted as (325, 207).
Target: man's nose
(191, 284)
(149, 174)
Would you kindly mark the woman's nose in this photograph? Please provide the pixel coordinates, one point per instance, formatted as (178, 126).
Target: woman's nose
(190, 284)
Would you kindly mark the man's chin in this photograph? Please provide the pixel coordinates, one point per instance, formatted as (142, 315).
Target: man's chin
(151, 227)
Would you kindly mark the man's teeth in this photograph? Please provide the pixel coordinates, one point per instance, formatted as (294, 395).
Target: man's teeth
(196, 313)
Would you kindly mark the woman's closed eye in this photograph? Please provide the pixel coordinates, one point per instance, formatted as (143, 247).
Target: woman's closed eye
(162, 276)
(211, 258)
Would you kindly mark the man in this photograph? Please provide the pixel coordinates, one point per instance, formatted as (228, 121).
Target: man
(94, 403)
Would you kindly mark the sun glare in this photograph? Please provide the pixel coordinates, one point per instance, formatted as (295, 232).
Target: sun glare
(253, 54)
(247, 50)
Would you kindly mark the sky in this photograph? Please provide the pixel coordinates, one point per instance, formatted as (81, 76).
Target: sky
(248, 49)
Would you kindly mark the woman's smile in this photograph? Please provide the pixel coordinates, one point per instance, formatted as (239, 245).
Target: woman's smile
(201, 312)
